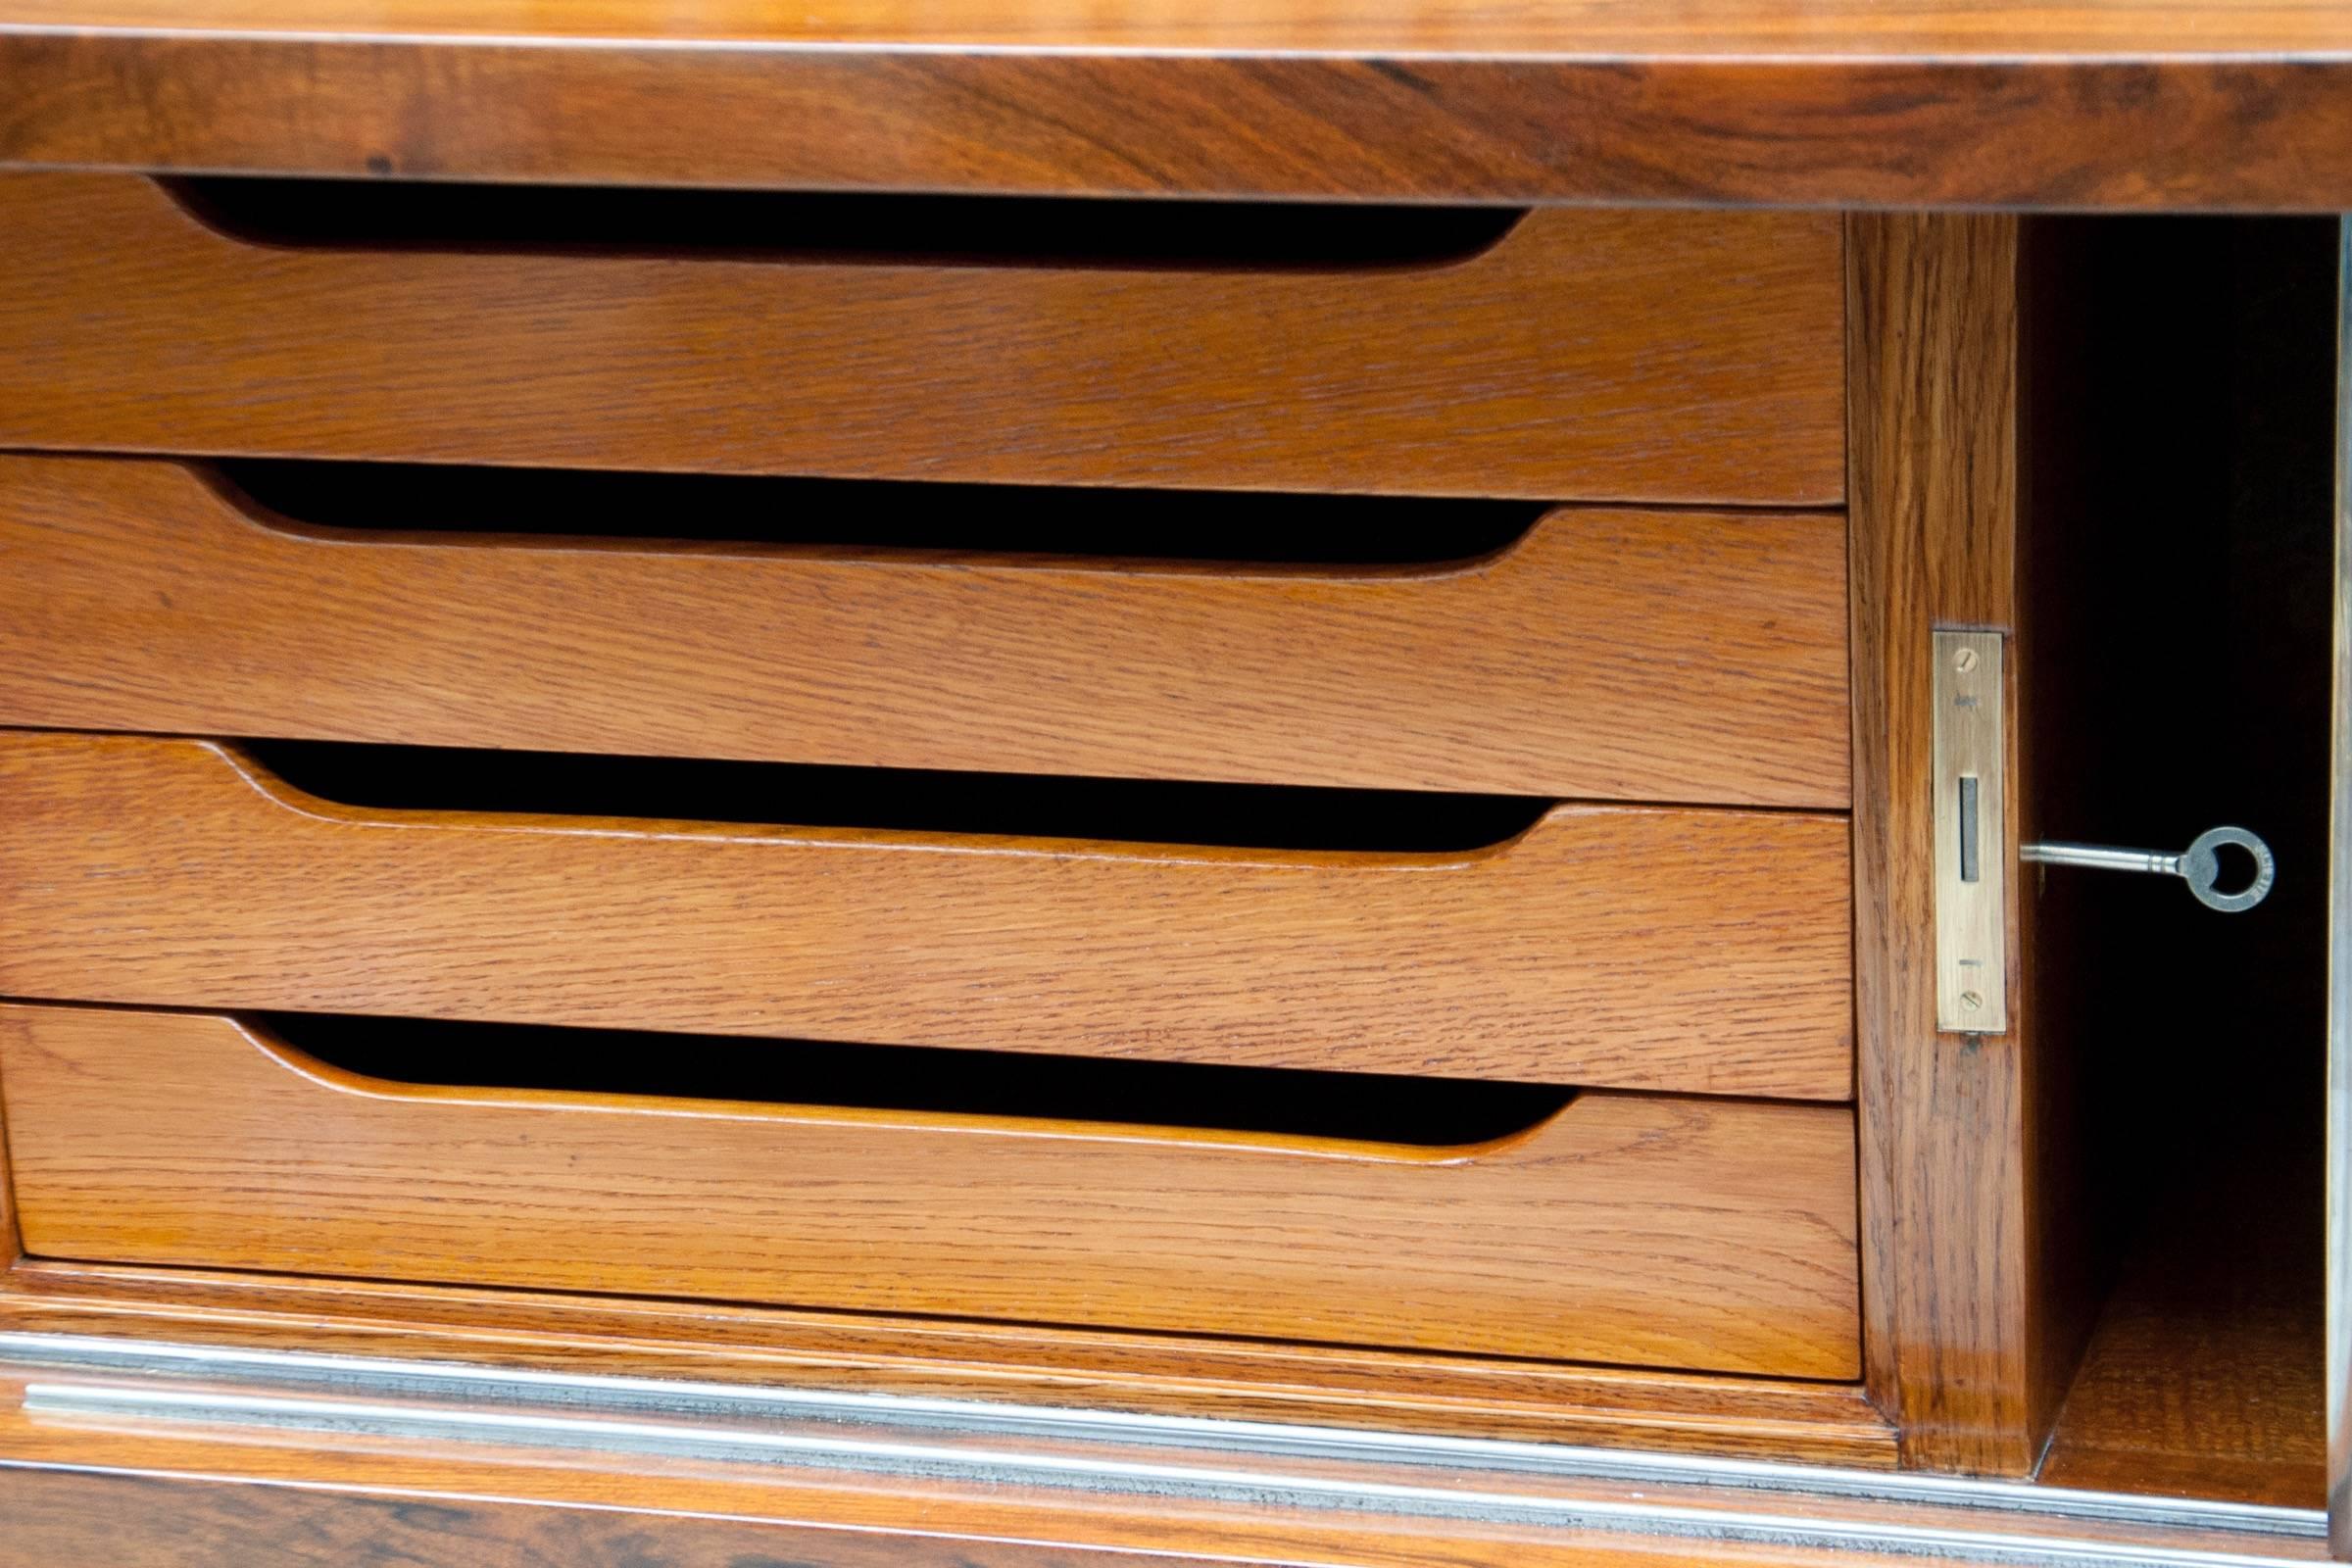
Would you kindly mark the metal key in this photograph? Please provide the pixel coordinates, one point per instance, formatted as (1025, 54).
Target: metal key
(2200, 865)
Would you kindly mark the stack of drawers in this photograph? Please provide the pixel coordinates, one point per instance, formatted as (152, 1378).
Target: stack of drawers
(1654, 665)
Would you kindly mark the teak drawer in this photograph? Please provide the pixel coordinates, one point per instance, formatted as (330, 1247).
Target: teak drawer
(1634, 947)
(1661, 1232)
(1606, 654)
(1585, 354)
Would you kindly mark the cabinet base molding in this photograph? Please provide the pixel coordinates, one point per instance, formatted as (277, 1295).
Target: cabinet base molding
(775, 1455)
(1158, 1375)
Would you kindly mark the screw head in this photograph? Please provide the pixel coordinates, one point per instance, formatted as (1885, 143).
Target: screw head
(1971, 1001)
(1964, 660)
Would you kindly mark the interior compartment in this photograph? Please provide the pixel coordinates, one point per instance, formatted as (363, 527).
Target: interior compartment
(2178, 658)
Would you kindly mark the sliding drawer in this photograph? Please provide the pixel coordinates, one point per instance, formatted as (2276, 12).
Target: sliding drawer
(1651, 947)
(1616, 1228)
(1603, 653)
(1638, 356)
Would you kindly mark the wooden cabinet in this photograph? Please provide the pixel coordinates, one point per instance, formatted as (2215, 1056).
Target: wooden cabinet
(1643, 952)
(1058, 839)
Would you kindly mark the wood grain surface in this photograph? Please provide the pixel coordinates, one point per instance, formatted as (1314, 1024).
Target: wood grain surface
(1609, 655)
(1971, 1326)
(1733, 1414)
(1648, 356)
(1654, 1232)
(2100, 103)
(1606, 947)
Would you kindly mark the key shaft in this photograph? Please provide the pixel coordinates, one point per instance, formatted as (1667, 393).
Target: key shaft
(2101, 857)
(2200, 865)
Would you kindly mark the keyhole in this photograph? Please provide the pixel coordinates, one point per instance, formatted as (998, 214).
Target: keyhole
(1968, 827)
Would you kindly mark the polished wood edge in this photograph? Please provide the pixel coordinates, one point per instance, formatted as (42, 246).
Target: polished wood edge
(12, 1249)
(1829, 1422)
(1987, 126)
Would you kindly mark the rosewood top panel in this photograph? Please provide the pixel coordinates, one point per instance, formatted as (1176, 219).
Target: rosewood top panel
(2123, 105)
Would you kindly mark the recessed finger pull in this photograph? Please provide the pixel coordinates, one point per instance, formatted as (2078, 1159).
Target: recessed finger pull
(2200, 865)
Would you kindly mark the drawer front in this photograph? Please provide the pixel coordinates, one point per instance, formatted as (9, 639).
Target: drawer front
(1652, 947)
(1605, 655)
(1629, 356)
(1661, 1232)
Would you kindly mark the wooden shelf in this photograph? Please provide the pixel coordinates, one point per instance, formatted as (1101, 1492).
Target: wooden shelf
(2204, 1376)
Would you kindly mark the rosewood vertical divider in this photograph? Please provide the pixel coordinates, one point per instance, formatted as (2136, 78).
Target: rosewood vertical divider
(1971, 1320)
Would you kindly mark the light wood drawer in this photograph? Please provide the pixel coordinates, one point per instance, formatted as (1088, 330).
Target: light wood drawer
(1660, 1232)
(1654, 947)
(1606, 654)
(1631, 356)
